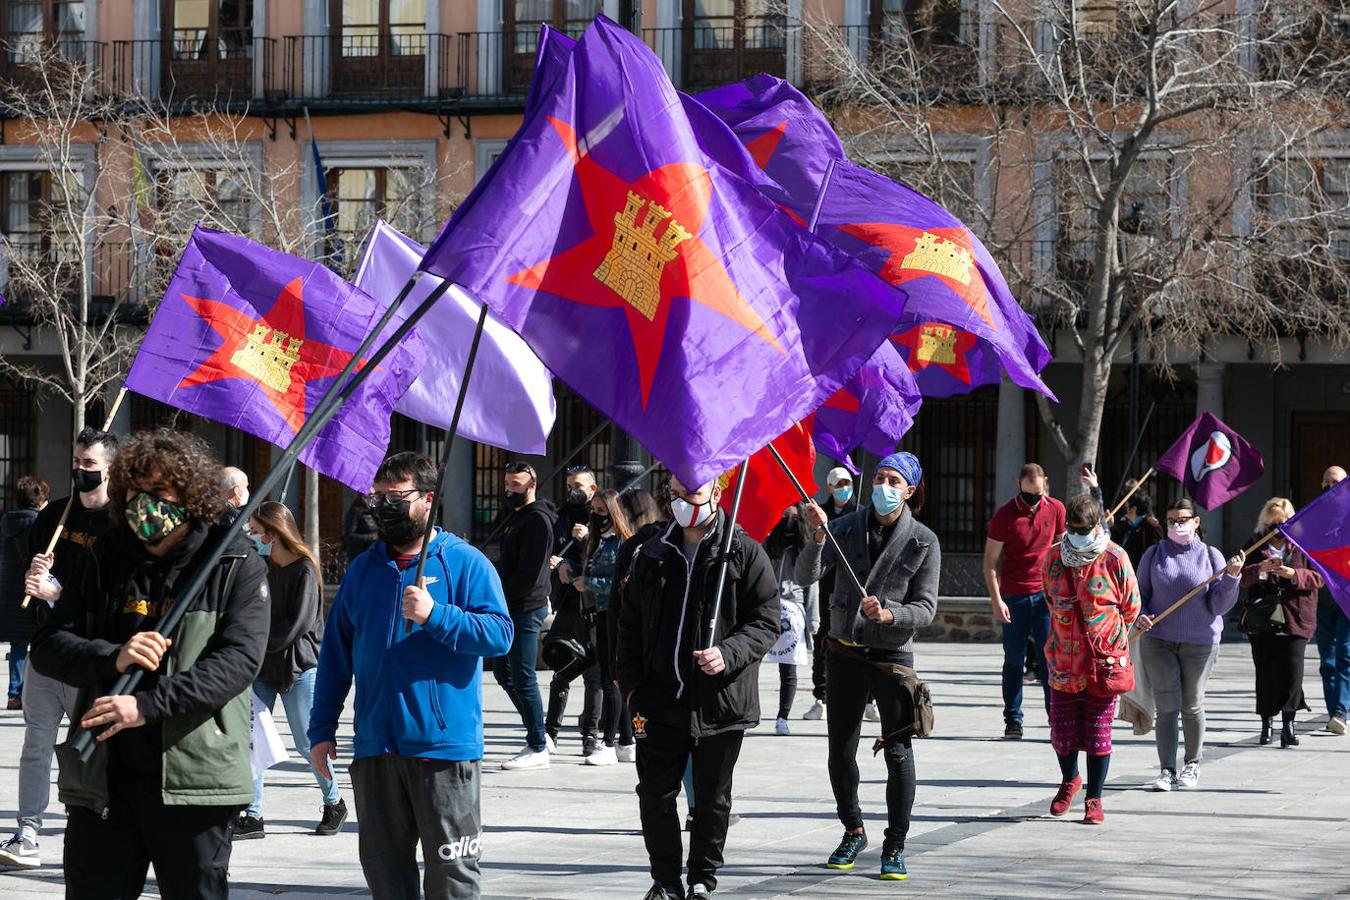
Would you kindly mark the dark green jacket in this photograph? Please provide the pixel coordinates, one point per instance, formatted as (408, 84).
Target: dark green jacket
(199, 699)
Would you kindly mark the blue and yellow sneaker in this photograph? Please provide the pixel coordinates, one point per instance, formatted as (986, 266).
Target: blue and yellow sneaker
(893, 865)
(846, 854)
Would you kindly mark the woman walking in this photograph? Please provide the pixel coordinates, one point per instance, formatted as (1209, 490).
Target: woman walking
(1279, 615)
(1179, 652)
(289, 668)
(1093, 598)
(871, 644)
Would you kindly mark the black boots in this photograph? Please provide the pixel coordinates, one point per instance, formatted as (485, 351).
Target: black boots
(1265, 731)
(1287, 736)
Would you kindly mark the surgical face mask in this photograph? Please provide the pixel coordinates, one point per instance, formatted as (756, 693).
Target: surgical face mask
(1182, 533)
(243, 501)
(843, 494)
(263, 548)
(886, 499)
(86, 480)
(154, 518)
(1136, 520)
(1080, 541)
(691, 515)
(394, 522)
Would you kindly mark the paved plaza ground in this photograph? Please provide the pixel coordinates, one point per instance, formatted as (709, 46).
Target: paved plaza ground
(1263, 823)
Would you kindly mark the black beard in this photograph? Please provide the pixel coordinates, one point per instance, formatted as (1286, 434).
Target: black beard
(402, 531)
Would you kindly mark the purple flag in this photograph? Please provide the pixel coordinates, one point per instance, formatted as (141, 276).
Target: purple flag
(665, 289)
(1322, 531)
(510, 399)
(1212, 461)
(786, 135)
(872, 411)
(252, 337)
(961, 328)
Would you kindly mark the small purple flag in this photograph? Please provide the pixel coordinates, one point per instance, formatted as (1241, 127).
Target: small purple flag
(1322, 531)
(252, 337)
(1212, 461)
(663, 287)
(872, 411)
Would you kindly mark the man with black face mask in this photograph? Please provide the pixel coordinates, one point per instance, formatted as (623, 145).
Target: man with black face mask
(170, 770)
(46, 700)
(569, 539)
(524, 569)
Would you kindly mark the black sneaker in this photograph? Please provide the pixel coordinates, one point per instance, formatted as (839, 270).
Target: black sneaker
(660, 891)
(248, 828)
(334, 814)
(588, 745)
(846, 854)
(1012, 731)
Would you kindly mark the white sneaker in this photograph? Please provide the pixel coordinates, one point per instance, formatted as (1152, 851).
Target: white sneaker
(871, 714)
(781, 727)
(1189, 776)
(550, 744)
(527, 759)
(20, 851)
(626, 752)
(817, 711)
(603, 755)
(1336, 725)
(1166, 781)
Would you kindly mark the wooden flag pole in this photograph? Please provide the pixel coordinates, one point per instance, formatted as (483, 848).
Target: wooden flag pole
(1204, 584)
(70, 503)
(1138, 484)
(724, 559)
(806, 498)
(342, 387)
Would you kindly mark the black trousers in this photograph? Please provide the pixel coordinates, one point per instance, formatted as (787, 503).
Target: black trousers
(559, 688)
(614, 718)
(849, 681)
(787, 689)
(818, 650)
(108, 858)
(1279, 674)
(661, 758)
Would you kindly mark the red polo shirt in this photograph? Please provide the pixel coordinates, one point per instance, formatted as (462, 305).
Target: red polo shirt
(1026, 535)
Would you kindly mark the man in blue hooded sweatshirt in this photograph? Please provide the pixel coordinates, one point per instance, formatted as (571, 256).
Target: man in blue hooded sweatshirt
(419, 716)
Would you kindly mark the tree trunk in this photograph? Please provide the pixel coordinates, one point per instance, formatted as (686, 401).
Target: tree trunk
(1091, 408)
(312, 510)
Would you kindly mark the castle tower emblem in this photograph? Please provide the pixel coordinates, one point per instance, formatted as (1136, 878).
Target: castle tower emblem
(937, 344)
(268, 355)
(632, 267)
(940, 256)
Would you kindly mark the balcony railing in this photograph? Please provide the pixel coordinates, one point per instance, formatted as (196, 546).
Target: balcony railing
(188, 67)
(20, 62)
(123, 275)
(383, 66)
(705, 56)
(944, 64)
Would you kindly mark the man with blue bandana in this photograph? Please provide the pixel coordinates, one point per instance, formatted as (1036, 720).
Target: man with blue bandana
(871, 643)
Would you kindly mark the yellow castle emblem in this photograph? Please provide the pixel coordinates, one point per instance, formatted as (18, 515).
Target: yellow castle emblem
(941, 257)
(268, 356)
(632, 267)
(937, 344)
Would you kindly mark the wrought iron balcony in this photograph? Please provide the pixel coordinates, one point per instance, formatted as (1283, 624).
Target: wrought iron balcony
(20, 62)
(374, 67)
(189, 67)
(704, 56)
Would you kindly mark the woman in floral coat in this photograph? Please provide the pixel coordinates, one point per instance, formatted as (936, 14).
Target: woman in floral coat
(1093, 598)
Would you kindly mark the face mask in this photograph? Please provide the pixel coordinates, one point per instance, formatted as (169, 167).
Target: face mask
(515, 499)
(1080, 541)
(1135, 521)
(1030, 499)
(86, 480)
(842, 495)
(263, 549)
(690, 515)
(576, 497)
(396, 527)
(153, 518)
(599, 523)
(886, 499)
(1182, 534)
(243, 501)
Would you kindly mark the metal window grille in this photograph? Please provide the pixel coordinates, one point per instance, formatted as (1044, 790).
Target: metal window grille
(16, 439)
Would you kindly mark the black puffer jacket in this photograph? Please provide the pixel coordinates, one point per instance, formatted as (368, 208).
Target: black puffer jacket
(16, 623)
(655, 654)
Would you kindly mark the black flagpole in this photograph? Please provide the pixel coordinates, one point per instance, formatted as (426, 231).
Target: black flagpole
(445, 454)
(806, 498)
(724, 560)
(342, 388)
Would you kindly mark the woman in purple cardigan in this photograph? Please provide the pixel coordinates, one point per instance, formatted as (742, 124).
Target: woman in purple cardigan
(1179, 652)
(1279, 638)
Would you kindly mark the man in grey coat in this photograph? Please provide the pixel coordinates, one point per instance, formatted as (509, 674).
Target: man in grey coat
(871, 642)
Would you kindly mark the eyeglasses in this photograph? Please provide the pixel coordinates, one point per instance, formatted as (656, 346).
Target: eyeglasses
(375, 498)
(1179, 520)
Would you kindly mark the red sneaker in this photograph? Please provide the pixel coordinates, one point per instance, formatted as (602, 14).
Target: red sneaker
(1092, 811)
(1064, 798)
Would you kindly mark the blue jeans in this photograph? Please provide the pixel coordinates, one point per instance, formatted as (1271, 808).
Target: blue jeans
(298, 702)
(18, 652)
(515, 672)
(1030, 618)
(1333, 646)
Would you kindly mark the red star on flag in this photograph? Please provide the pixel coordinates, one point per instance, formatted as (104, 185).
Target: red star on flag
(651, 207)
(844, 401)
(1336, 559)
(271, 351)
(937, 344)
(763, 147)
(906, 265)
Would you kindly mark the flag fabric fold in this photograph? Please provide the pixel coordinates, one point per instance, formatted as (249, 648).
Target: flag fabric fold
(768, 489)
(1322, 531)
(873, 410)
(510, 399)
(252, 338)
(1212, 461)
(664, 288)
